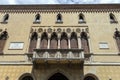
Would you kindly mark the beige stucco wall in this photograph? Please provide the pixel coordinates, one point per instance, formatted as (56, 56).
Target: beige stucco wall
(103, 72)
(100, 28)
(14, 72)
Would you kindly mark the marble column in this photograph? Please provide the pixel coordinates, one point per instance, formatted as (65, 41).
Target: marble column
(58, 43)
(79, 43)
(69, 45)
(38, 43)
(48, 47)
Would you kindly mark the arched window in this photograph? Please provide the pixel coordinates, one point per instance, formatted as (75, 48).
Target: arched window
(33, 41)
(112, 18)
(84, 42)
(5, 18)
(73, 41)
(117, 38)
(81, 18)
(37, 18)
(59, 18)
(3, 38)
(64, 41)
(44, 41)
(54, 41)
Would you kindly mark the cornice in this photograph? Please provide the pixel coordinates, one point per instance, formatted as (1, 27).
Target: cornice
(61, 8)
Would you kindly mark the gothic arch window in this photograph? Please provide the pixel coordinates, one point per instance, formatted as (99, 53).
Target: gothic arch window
(33, 41)
(44, 41)
(54, 41)
(64, 41)
(117, 38)
(81, 18)
(26, 76)
(3, 38)
(5, 18)
(59, 18)
(84, 42)
(73, 40)
(37, 18)
(112, 18)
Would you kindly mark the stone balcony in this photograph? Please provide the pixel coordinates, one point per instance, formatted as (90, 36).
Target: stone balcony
(58, 55)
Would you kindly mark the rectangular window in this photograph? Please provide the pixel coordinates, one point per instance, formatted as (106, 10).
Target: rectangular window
(16, 45)
(103, 45)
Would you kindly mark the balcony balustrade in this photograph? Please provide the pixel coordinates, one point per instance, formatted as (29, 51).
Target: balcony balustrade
(58, 55)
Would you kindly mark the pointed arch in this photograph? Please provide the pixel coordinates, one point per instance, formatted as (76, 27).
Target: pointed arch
(112, 18)
(64, 41)
(117, 38)
(37, 18)
(54, 41)
(81, 18)
(5, 18)
(33, 41)
(73, 40)
(84, 42)
(3, 38)
(44, 41)
(58, 76)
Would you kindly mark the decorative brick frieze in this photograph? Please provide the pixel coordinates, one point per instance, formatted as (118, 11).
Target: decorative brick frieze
(59, 8)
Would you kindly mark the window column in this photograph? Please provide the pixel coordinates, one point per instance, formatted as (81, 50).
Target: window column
(48, 46)
(89, 46)
(38, 43)
(69, 47)
(79, 42)
(58, 42)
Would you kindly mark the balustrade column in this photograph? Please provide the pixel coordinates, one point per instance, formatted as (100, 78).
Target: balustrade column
(79, 43)
(38, 43)
(48, 46)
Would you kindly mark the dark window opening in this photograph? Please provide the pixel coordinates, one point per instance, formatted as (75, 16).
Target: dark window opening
(73, 41)
(89, 78)
(27, 78)
(44, 41)
(54, 41)
(117, 37)
(59, 18)
(3, 38)
(84, 42)
(6, 17)
(33, 41)
(112, 18)
(37, 18)
(64, 41)
(81, 18)
(4, 35)
(58, 76)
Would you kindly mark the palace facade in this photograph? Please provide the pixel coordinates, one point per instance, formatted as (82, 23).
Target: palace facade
(60, 42)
